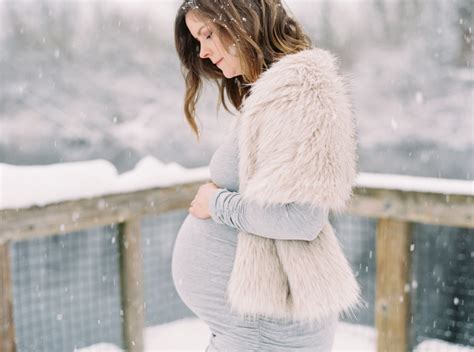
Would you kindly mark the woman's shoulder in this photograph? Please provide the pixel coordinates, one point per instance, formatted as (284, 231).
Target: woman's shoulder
(313, 60)
(313, 69)
(306, 67)
(311, 57)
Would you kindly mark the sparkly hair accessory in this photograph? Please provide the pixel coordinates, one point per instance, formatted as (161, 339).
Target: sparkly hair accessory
(192, 4)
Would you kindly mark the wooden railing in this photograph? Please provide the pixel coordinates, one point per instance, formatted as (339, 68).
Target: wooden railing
(395, 210)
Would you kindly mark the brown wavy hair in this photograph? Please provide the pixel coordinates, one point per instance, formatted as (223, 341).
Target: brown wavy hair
(262, 32)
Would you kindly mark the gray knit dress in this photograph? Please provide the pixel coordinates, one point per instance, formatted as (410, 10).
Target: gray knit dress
(203, 257)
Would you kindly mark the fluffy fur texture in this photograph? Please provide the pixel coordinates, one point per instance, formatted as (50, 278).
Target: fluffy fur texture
(297, 143)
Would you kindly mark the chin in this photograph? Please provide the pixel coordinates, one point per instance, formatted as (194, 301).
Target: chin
(229, 75)
(232, 75)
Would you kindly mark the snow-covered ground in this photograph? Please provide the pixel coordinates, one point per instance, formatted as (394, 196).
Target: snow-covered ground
(169, 338)
(25, 186)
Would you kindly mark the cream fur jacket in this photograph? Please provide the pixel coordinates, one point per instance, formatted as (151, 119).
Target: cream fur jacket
(297, 143)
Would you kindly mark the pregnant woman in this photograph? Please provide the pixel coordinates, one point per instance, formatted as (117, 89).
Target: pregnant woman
(256, 258)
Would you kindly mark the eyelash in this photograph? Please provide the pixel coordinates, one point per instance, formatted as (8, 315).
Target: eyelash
(208, 37)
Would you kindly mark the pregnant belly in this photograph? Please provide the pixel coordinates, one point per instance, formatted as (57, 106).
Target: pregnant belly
(202, 261)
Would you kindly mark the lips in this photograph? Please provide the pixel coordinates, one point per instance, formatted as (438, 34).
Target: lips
(218, 61)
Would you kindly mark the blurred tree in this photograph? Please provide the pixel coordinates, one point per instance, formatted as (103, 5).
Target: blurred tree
(399, 19)
(465, 12)
(327, 36)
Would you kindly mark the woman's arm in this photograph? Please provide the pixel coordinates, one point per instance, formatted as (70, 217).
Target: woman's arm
(291, 221)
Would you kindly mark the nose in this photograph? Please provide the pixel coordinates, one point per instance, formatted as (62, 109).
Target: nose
(204, 51)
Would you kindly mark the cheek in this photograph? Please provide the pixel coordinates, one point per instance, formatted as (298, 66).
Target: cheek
(236, 66)
(232, 50)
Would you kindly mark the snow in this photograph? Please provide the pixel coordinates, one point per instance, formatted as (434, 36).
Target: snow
(439, 345)
(101, 347)
(169, 337)
(415, 183)
(392, 104)
(25, 186)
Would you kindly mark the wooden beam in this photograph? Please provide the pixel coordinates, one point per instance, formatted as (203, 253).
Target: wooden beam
(131, 275)
(412, 206)
(392, 300)
(69, 216)
(7, 328)
(75, 215)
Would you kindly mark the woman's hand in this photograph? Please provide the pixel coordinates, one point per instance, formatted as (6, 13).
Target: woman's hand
(200, 204)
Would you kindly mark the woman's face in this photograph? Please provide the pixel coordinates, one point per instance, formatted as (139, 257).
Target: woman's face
(211, 46)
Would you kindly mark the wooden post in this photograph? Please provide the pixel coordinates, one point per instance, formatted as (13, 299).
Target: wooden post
(392, 303)
(7, 328)
(132, 285)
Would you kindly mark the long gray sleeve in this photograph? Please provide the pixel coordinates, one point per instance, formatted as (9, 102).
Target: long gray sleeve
(291, 221)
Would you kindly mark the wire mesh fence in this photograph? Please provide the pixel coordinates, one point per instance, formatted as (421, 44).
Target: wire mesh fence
(66, 288)
(161, 299)
(443, 284)
(357, 238)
